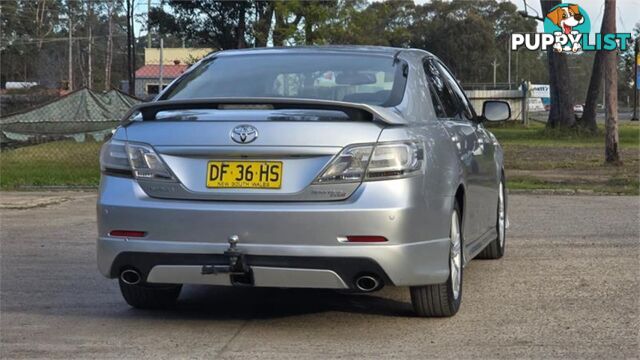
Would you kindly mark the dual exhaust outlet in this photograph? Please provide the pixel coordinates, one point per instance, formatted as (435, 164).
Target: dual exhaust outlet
(364, 283)
(368, 283)
(130, 277)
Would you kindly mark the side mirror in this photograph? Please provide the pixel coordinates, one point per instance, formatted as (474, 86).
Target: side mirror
(496, 110)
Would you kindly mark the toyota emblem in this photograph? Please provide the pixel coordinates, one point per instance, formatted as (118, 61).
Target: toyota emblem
(244, 134)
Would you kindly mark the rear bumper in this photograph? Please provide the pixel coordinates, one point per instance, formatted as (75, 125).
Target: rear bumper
(400, 265)
(297, 237)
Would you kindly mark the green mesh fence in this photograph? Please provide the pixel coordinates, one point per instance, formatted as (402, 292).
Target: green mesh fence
(57, 142)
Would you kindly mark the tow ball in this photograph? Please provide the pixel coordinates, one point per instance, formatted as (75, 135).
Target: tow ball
(238, 270)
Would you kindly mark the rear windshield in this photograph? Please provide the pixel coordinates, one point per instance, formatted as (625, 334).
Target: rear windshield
(369, 79)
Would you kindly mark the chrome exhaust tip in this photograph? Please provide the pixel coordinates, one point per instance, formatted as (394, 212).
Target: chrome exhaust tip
(130, 277)
(367, 283)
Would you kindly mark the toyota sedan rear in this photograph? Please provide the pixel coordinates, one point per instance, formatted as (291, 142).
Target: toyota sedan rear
(348, 168)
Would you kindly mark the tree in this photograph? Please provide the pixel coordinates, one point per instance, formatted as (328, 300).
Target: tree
(205, 23)
(610, 65)
(561, 113)
(443, 27)
(287, 17)
(131, 49)
(593, 92)
(109, 51)
(262, 24)
(90, 21)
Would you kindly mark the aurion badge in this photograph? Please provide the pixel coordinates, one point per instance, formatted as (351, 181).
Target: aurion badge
(244, 134)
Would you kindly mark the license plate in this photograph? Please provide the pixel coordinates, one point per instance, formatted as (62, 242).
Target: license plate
(244, 174)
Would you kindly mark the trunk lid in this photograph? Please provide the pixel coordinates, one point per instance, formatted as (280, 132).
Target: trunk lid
(303, 141)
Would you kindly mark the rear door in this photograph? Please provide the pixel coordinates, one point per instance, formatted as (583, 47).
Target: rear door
(485, 170)
(462, 133)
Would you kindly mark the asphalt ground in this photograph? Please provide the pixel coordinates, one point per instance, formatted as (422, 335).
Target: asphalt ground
(568, 287)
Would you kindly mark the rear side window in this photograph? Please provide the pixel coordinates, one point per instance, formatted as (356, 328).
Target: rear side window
(461, 98)
(443, 98)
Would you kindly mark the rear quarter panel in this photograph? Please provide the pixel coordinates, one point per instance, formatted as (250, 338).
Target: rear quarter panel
(441, 174)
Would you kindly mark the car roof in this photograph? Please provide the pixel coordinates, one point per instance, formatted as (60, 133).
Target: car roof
(363, 49)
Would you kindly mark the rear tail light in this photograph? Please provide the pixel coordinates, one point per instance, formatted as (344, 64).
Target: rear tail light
(397, 159)
(374, 162)
(137, 159)
(362, 239)
(127, 233)
(114, 158)
(349, 166)
(146, 163)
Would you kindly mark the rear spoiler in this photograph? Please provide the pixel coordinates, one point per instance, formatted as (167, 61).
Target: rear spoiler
(353, 110)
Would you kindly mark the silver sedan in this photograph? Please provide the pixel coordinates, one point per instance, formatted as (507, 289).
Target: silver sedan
(347, 168)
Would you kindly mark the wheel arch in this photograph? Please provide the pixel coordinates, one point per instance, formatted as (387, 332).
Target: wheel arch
(459, 198)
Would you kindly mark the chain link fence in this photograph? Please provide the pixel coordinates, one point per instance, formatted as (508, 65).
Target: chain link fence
(52, 138)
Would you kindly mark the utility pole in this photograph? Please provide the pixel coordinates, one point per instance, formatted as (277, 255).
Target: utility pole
(509, 52)
(161, 64)
(70, 75)
(148, 24)
(495, 66)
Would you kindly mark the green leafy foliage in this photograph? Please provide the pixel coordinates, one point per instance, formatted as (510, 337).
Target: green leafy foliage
(467, 35)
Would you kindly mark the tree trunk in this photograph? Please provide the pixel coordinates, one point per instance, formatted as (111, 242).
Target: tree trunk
(611, 149)
(308, 32)
(90, 47)
(70, 70)
(593, 93)
(240, 31)
(133, 49)
(89, 65)
(129, 50)
(279, 30)
(109, 51)
(561, 113)
(262, 27)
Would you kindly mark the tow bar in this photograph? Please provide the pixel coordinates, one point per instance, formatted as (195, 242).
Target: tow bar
(239, 272)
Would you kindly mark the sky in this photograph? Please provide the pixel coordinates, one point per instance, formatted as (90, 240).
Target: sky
(628, 13)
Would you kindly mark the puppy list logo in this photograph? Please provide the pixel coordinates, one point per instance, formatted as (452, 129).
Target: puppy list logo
(567, 29)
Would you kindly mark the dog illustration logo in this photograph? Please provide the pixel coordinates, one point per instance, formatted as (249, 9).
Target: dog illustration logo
(566, 17)
(570, 20)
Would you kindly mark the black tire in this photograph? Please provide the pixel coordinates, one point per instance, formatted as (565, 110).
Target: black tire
(439, 300)
(150, 297)
(495, 250)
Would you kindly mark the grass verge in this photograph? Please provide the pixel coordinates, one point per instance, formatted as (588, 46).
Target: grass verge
(59, 163)
(539, 158)
(537, 134)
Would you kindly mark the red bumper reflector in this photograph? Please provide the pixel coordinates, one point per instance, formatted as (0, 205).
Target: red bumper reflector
(365, 238)
(127, 233)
